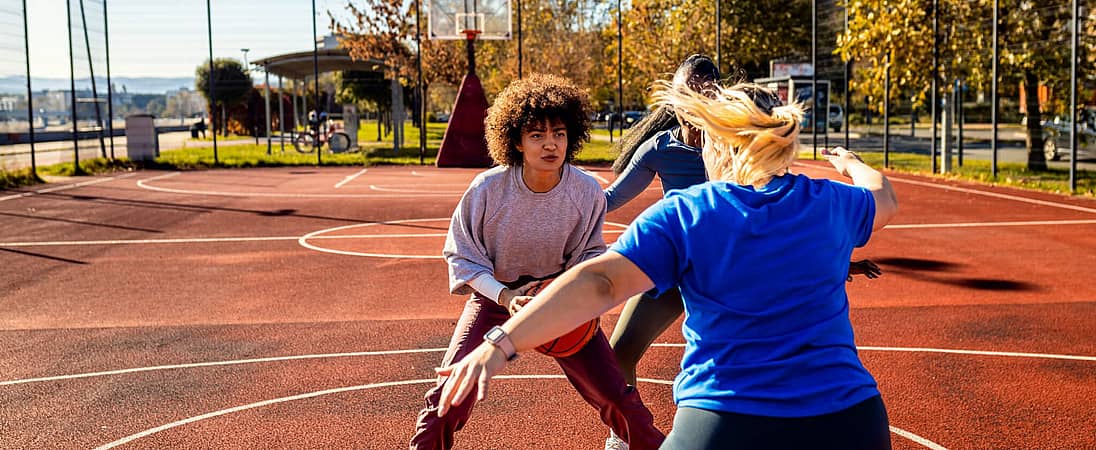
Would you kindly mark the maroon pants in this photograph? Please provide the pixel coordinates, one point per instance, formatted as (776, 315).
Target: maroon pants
(592, 371)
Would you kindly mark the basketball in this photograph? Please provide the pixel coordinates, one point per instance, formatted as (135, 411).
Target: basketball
(571, 342)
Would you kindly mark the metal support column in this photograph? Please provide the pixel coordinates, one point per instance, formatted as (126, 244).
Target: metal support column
(994, 101)
(30, 97)
(422, 85)
(886, 110)
(266, 101)
(935, 75)
(620, 70)
(212, 85)
(316, 75)
(1074, 113)
(814, 79)
(76, 170)
(110, 83)
(281, 114)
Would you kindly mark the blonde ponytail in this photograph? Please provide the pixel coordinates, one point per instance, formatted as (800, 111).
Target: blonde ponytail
(744, 144)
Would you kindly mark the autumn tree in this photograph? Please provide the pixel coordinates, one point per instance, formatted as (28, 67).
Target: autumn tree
(1031, 34)
(558, 37)
(660, 34)
(385, 30)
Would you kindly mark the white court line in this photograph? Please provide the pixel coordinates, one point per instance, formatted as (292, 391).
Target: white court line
(385, 189)
(350, 178)
(66, 186)
(218, 363)
(439, 350)
(906, 434)
(595, 175)
(208, 240)
(144, 185)
(917, 439)
(995, 195)
(303, 241)
(898, 431)
(431, 235)
(272, 401)
(977, 352)
(990, 224)
(972, 191)
(950, 351)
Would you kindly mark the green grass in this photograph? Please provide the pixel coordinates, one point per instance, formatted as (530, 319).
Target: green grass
(1008, 174)
(16, 178)
(596, 153)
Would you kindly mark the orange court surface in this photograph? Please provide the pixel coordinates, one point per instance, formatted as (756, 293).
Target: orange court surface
(306, 308)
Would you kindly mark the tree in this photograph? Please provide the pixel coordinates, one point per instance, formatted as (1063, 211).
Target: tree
(1031, 34)
(369, 90)
(559, 38)
(231, 85)
(660, 34)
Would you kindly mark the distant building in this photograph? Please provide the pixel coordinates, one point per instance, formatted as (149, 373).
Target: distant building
(329, 41)
(7, 103)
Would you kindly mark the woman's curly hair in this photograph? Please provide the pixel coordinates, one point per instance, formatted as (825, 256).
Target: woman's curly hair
(532, 100)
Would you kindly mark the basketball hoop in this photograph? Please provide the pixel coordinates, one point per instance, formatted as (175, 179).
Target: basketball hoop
(471, 34)
(465, 20)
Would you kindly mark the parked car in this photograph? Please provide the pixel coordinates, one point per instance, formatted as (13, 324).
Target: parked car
(631, 117)
(1056, 136)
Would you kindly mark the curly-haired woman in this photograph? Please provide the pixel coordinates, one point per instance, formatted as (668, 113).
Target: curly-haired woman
(531, 218)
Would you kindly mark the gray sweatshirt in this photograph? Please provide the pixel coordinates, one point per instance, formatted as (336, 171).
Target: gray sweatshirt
(503, 229)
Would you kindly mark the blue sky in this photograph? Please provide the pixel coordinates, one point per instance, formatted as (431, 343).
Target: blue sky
(167, 38)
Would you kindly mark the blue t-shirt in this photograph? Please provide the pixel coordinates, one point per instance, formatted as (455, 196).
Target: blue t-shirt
(762, 273)
(677, 164)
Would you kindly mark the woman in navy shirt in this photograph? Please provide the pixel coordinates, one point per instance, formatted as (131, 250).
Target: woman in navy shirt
(761, 257)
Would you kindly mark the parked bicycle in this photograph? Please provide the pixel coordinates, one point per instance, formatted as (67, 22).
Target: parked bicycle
(322, 131)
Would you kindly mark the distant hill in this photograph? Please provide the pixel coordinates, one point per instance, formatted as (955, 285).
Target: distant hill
(133, 85)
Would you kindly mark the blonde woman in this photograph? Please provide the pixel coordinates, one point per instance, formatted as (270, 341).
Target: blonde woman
(761, 257)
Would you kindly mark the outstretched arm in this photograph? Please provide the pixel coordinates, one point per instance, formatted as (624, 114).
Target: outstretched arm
(633, 180)
(850, 165)
(580, 294)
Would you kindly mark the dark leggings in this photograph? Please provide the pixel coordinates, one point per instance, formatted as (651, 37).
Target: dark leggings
(862, 426)
(641, 321)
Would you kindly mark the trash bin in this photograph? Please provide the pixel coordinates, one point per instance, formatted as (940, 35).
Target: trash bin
(194, 132)
(142, 142)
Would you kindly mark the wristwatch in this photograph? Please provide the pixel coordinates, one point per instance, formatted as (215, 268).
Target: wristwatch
(497, 336)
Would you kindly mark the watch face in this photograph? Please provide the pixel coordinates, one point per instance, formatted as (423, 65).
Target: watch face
(494, 334)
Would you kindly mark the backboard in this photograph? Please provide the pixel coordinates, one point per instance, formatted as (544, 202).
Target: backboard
(448, 19)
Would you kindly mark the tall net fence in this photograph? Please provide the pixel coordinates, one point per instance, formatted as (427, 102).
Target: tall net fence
(13, 71)
(88, 40)
(159, 59)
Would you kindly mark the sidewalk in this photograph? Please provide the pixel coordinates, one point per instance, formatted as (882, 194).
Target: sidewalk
(13, 157)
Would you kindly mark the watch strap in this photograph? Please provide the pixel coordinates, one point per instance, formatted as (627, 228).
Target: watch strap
(498, 337)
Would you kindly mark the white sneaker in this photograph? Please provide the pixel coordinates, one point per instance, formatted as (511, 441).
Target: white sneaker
(615, 443)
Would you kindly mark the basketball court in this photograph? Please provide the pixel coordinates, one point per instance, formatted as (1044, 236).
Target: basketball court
(306, 308)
